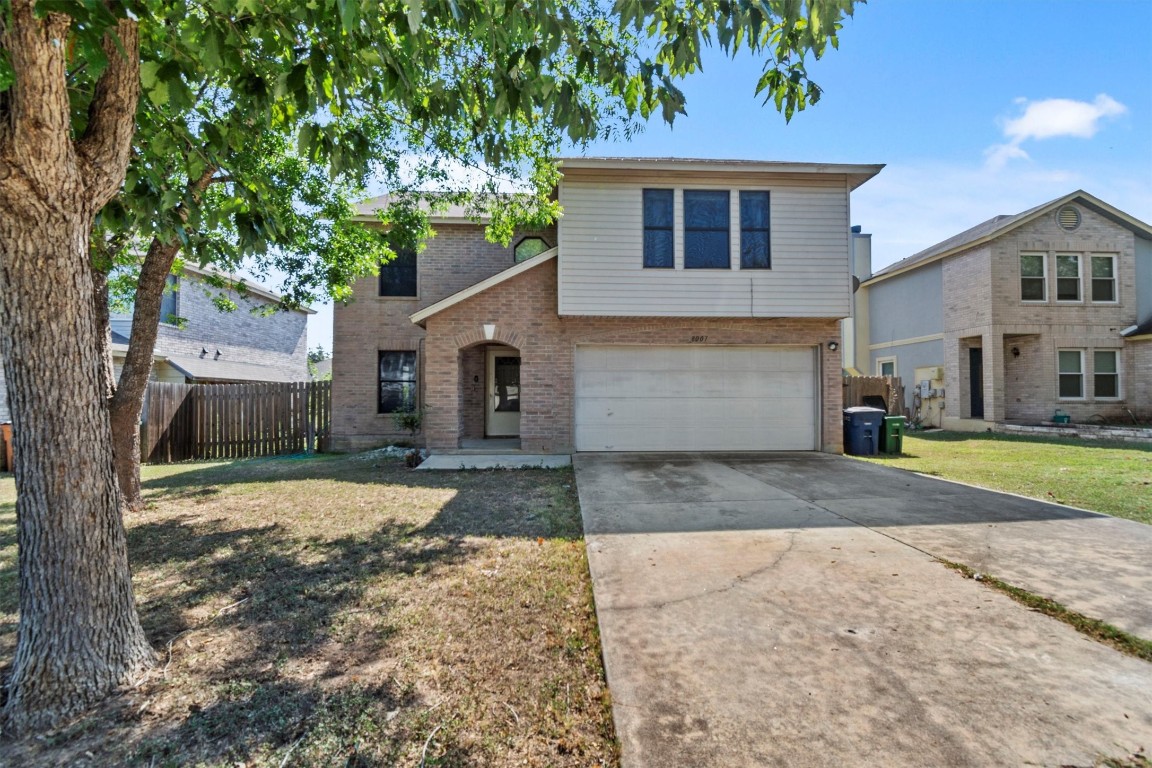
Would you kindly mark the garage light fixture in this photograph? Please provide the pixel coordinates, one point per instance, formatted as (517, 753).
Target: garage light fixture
(833, 346)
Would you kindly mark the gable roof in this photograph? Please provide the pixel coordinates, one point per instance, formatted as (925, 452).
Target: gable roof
(453, 214)
(483, 285)
(999, 225)
(251, 289)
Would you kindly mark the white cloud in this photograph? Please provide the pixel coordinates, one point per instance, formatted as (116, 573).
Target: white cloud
(1049, 119)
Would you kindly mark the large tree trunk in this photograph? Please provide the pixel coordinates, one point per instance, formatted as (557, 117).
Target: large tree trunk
(79, 634)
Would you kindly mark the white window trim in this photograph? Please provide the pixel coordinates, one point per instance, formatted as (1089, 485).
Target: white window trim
(1079, 279)
(1082, 374)
(1115, 277)
(1043, 277)
(880, 361)
(1119, 376)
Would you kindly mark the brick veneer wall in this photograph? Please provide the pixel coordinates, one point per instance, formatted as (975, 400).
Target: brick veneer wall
(278, 340)
(456, 258)
(523, 310)
(983, 308)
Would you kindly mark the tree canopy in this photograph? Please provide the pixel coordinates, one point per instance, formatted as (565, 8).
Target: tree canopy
(230, 129)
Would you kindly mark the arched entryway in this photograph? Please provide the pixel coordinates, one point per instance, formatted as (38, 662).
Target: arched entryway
(490, 395)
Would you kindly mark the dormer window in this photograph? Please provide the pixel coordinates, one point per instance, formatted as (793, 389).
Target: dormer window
(529, 247)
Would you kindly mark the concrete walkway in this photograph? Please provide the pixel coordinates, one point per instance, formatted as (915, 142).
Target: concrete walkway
(788, 609)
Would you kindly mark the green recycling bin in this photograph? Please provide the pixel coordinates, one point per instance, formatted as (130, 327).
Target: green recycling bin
(893, 435)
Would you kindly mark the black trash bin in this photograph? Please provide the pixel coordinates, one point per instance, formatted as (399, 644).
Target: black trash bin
(863, 427)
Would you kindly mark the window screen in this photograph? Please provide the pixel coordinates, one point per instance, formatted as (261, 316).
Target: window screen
(398, 277)
(658, 237)
(706, 220)
(755, 248)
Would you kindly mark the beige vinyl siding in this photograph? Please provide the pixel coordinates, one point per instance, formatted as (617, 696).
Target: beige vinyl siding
(601, 251)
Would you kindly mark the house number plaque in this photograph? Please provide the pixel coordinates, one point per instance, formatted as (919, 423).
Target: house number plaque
(699, 339)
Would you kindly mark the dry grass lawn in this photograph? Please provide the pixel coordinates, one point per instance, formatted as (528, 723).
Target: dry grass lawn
(348, 611)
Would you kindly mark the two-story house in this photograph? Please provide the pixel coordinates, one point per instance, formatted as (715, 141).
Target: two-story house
(1017, 317)
(677, 305)
(198, 343)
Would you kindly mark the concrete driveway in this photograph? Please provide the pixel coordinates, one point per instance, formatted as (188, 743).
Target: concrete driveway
(788, 609)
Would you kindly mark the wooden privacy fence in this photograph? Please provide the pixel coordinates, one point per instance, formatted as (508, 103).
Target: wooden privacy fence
(234, 421)
(888, 388)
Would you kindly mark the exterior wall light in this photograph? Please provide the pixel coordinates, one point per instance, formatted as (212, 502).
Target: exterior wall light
(833, 346)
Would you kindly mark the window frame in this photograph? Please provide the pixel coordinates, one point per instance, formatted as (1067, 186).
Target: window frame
(1060, 374)
(1079, 257)
(727, 229)
(748, 194)
(1113, 280)
(1116, 357)
(1043, 277)
(646, 227)
(528, 239)
(173, 296)
(380, 380)
(882, 361)
(400, 253)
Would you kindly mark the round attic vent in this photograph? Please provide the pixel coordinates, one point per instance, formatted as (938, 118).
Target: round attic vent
(1068, 218)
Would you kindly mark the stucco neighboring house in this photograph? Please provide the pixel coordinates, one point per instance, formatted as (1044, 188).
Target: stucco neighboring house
(677, 305)
(1017, 317)
(215, 346)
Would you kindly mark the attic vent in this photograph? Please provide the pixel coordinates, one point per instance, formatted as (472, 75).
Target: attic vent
(1068, 218)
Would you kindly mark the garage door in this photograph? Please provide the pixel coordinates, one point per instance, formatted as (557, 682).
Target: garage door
(695, 398)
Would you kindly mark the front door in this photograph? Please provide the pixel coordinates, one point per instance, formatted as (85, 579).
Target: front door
(976, 381)
(502, 411)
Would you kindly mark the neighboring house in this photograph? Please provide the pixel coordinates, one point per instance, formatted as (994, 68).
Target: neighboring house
(214, 346)
(677, 305)
(1017, 317)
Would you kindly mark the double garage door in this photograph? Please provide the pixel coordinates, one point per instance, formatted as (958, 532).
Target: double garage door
(696, 398)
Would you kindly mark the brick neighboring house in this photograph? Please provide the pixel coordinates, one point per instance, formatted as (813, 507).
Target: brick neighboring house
(1017, 317)
(214, 346)
(677, 305)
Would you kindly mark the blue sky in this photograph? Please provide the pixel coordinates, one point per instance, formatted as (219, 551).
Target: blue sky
(977, 108)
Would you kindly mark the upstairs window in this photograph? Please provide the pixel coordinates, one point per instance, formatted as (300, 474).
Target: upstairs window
(1104, 278)
(755, 247)
(397, 382)
(1067, 277)
(1033, 277)
(529, 247)
(1071, 374)
(658, 227)
(1106, 374)
(170, 301)
(706, 226)
(398, 276)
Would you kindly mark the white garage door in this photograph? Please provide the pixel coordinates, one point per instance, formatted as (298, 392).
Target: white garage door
(695, 398)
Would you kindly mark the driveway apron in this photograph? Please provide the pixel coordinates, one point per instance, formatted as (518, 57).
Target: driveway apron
(789, 609)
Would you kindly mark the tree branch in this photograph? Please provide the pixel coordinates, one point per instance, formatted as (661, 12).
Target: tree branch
(106, 145)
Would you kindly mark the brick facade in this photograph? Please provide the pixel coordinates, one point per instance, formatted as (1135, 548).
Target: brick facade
(278, 340)
(523, 310)
(1020, 341)
(457, 258)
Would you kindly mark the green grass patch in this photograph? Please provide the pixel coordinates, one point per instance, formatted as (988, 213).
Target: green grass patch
(1114, 478)
(1094, 628)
